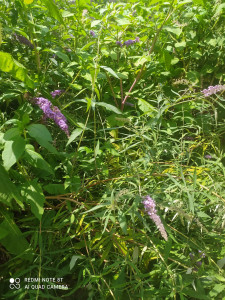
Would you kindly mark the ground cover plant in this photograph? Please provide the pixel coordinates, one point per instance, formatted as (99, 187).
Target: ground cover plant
(112, 144)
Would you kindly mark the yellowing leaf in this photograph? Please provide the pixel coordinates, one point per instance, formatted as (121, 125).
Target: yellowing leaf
(28, 1)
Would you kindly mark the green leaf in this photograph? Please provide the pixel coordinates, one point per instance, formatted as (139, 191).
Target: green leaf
(32, 191)
(41, 134)
(10, 65)
(54, 188)
(36, 160)
(180, 45)
(175, 30)
(14, 241)
(217, 289)
(8, 190)
(74, 134)
(12, 151)
(145, 106)
(109, 107)
(53, 10)
(63, 56)
(122, 221)
(73, 260)
(108, 69)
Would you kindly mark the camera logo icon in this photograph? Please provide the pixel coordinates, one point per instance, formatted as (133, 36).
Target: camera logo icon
(14, 283)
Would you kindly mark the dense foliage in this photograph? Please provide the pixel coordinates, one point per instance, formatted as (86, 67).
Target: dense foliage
(112, 144)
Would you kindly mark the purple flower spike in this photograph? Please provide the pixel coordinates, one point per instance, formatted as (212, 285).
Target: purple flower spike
(137, 39)
(52, 112)
(92, 33)
(129, 42)
(56, 93)
(149, 205)
(213, 90)
(119, 43)
(207, 156)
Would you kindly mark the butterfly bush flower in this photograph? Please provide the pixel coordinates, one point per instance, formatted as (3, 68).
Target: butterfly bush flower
(56, 93)
(128, 42)
(92, 33)
(119, 43)
(21, 39)
(213, 90)
(52, 112)
(149, 205)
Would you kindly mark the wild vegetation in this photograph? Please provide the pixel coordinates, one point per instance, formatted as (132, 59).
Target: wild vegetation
(112, 142)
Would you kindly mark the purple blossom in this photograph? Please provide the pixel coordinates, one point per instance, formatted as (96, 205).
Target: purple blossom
(128, 42)
(92, 33)
(21, 39)
(119, 43)
(149, 205)
(56, 93)
(202, 254)
(52, 112)
(199, 263)
(137, 39)
(213, 90)
(68, 50)
(131, 42)
(207, 156)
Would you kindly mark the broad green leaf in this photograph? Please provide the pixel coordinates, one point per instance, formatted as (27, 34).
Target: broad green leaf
(53, 10)
(41, 134)
(175, 30)
(66, 14)
(73, 260)
(12, 151)
(32, 191)
(145, 106)
(63, 56)
(122, 21)
(55, 188)
(11, 134)
(180, 45)
(36, 160)
(8, 190)
(109, 107)
(10, 65)
(108, 69)
(74, 134)
(14, 241)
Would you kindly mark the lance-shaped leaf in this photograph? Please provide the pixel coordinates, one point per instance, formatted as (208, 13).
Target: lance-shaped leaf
(8, 190)
(10, 65)
(12, 238)
(32, 191)
(53, 10)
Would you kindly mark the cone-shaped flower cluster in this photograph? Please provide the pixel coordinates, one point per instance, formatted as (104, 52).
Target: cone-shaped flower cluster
(21, 39)
(149, 205)
(56, 93)
(128, 42)
(52, 112)
(213, 90)
(92, 33)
